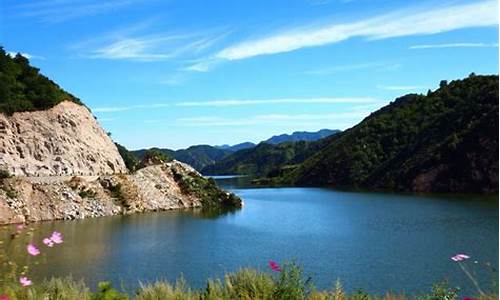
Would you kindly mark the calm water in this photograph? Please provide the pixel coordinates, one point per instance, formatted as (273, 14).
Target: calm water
(376, 242)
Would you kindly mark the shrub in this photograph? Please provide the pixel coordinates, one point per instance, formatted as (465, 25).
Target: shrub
(4, 174)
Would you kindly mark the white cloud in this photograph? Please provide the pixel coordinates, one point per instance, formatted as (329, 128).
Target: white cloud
(27, 55)
(153, 47)
(407, 22)
(280, 101)
(400, 87)
(125, 108)
(455, 45)
(337, 120)
(56, 11)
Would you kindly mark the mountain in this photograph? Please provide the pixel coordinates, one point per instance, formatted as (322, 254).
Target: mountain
(236, 147)
(445, 141)
(197, 156)
(282, 138)
(301, 136)
(202, 156)
(264, 159)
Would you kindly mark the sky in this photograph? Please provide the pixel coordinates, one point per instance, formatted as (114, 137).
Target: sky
(175, 73)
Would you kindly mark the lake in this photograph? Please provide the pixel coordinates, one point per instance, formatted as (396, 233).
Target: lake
(371, 241)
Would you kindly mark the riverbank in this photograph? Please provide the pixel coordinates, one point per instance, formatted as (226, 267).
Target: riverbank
(168, 186)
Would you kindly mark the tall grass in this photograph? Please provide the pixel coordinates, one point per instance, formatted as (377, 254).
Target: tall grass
(245, 284)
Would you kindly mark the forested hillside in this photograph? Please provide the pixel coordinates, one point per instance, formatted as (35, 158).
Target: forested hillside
(446, 140)
(23, 88)
(265, 159)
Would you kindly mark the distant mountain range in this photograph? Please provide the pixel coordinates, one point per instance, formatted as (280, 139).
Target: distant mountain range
(201, 156)
(298, 136)
(236, 147)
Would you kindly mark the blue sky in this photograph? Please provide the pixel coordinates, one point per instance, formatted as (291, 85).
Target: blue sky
(178, 73)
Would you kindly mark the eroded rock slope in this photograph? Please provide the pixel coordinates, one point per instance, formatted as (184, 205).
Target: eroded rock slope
(63, 140)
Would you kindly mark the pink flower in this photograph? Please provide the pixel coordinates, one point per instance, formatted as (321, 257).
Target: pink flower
(4, 297)
(48, 242)
(274, 266)
(33, 250)
(460, 257)
(56, 237)
(19, 227)
(25, 281)
(464, 298)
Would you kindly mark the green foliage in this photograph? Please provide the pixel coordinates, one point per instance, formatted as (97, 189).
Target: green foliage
(4, 174)
(441, 291)
(53, 289)
(107, 292)
(156, 154)
(117, 193)
(205, 189)
(128, 157)
(291, 284)
(87, 194)
(23, 88)
(162, 290)
(247, 284)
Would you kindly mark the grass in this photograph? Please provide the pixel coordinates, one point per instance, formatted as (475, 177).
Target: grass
(245, 284)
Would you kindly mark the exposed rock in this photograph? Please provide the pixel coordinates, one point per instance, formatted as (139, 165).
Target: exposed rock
(63, 140)
(167, 186)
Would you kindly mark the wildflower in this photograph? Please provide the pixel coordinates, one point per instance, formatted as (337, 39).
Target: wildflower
(56, 237)
(274, 266)
(25, 281)
(460, 257)
(465, 298)
(48, 242)
(33, 250)
(19, 227)
(4, 297)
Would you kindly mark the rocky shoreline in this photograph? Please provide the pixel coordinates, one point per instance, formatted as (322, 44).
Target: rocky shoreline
(167, 186)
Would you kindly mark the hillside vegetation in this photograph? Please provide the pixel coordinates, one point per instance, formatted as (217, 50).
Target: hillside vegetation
(265, 159)
(197, 156)
(23, 88)
(444, 141)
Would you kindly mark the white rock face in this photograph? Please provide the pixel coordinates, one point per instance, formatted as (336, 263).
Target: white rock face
(63, 140)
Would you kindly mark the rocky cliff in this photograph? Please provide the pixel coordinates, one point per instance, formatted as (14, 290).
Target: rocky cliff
(172, 185)
(63, 140)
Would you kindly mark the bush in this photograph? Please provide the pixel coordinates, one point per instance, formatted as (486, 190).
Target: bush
(4, 174)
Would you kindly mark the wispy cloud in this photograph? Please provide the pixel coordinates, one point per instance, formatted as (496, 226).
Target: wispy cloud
(57, 11)
(132, 107)
(352, 67)
(27, 55)
(400, 87)
(218, 103)
(455, 45)
(153, 47)
(346, 118)
(407, 22)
